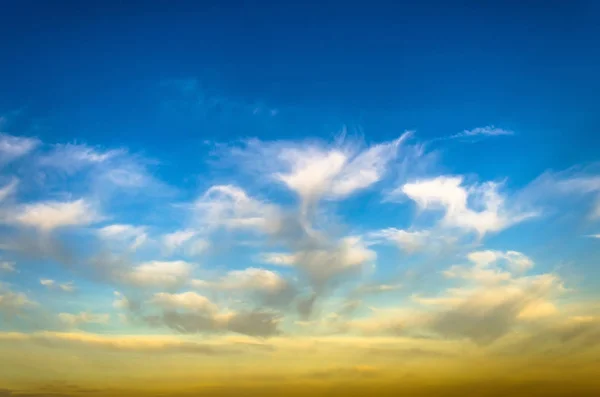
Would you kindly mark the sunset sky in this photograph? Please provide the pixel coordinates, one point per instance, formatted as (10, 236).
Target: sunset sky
(239, 199)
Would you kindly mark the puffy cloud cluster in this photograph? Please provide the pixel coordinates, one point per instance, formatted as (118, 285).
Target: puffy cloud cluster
(177, 270)
(493, 298)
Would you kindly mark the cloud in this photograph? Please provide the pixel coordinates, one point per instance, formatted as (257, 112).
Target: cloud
(122, 343)
(253, 279)
(494, 299)
(184, 241)
(122, 302)
(378, 288)
(8, 190)
(277, 258)
(477, 208)
(482, 300)
(185, 300)
(191, 313)
(263, 286)
(230, 207)
(76, 320)
(7, 266)
(12, 303)
(484, 316)
(71, 158)
(483, 131)
(132, 236)
(576, 334)
(316, 171)
(324, 261)
(13, 147)
(42, 246)
(564, 188)
(49, 215)
(158, 273)
(104, 170)
(176, 239)
(51, 284)
(408, 241)
(256, 324)
(594, 235)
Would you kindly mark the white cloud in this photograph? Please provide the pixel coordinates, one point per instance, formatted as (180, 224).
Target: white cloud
(13, 147)
(196, 283)
(108, 174)
(196, 247)
(159, 273)
(175, 240)
(560, 188)
(133, 236)
(253, 279)
(408, 241)
(127, 177)
(75, 320)
(594, 235)
(517, 261)
(448, 194)
(322, 263)
(334, 172)
(230, 207)
(491, 266)
(184, 241)
(483, 131)
(185, 300)
(48, 215)
(277, 258)
(52, 284)
(73, 157)
(317, 171)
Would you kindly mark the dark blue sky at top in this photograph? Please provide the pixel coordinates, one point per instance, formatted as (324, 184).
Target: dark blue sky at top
(100, 71)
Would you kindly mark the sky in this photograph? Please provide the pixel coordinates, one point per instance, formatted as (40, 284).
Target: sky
(267, 198)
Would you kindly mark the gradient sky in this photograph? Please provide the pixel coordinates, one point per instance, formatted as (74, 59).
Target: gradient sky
(289, 195)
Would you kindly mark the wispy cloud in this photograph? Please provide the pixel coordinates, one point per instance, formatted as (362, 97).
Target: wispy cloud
(480, 208)
(13, 147)
(489, 130)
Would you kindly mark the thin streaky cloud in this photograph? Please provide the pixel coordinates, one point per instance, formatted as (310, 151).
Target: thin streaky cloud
(489, 130)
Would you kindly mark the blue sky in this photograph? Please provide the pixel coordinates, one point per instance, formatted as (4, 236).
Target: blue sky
(339, 166)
